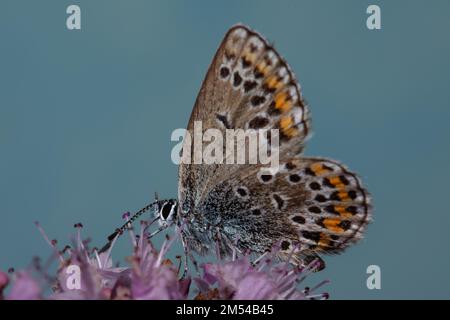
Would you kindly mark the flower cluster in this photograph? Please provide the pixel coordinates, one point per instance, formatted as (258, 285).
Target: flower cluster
(83, 273)
(241, 279)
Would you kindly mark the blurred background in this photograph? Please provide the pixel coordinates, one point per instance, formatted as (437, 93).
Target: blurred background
(86, 117)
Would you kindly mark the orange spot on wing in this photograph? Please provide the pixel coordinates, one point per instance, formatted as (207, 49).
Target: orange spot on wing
(286, 126)
(250, 57)
(343, 196)
(272, 82)
(332, 224)
(318, 169)
(285, 122)
(336, 181)
(342, 211)
(292, 132)
(324, 240)
(262, 67)
(282, 103)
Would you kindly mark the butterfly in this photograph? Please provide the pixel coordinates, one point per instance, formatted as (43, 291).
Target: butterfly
(309, 206)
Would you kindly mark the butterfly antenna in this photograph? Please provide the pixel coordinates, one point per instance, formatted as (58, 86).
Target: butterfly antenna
(127, 224)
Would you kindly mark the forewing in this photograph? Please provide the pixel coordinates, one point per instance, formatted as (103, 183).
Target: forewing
(248, 86)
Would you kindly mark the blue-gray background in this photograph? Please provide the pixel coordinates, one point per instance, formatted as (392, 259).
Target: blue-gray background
(86, 118)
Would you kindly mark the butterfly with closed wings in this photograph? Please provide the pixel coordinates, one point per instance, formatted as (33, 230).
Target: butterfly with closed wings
(308, 206)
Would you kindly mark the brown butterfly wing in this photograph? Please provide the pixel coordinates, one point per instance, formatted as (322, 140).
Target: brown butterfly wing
(248, 86)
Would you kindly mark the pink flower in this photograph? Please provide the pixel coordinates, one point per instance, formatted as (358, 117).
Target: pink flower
(83, 273)
(24, 287)
(240, 279)
(152, 276)
(4, 281)
(97, 276)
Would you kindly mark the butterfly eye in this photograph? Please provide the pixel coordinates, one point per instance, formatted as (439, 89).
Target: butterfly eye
(165, 210)
(168, 210)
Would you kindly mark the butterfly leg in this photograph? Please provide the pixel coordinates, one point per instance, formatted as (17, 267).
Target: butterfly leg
(154, 233)
(185, 261)
(217, 242)
(187, 255)
(224, 246)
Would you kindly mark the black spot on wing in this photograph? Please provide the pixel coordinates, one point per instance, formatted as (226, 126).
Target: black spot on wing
(314, 209)
(294, 178)
(311, 235)
(237, 79)
(314, 186)
(257, 100)
(224, 72)
(249, 85)
(285, 245)
(222, 118)
(279, 201)
(299, 219)
(258, 122)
